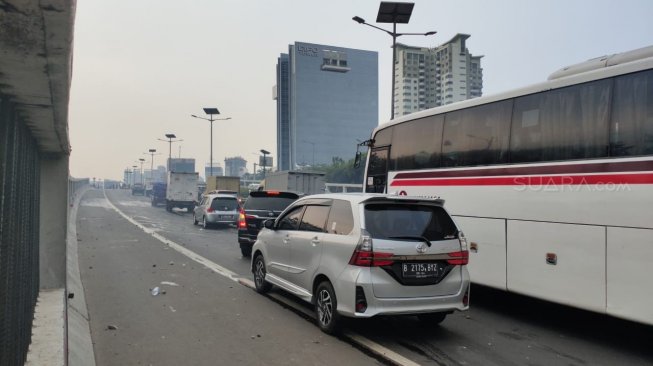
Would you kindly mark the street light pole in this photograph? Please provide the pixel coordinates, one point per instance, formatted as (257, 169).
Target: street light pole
(134, 174)
(151, 152)
(264, 152)
(170, 136)
(393, 12)
(211, 112)
(142, 161)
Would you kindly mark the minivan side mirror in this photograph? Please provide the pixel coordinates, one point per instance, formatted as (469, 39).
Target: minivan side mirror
(268, 224)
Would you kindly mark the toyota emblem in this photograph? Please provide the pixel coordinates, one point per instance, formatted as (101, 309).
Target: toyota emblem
(421, 248)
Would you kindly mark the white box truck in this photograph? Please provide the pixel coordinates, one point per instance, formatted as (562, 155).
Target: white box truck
(181, 191)
(303, 183)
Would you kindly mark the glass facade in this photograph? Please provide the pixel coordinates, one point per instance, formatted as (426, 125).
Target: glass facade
(327, 99)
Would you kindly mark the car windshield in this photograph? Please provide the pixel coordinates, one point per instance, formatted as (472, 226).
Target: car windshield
(389, 220)
(224, 204)
(272, 203)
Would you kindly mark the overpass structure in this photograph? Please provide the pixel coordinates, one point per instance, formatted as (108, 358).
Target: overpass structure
(36, 41)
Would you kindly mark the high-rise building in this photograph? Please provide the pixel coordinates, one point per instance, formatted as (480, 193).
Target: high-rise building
(431, 77)
(327, 99)
(235, 166)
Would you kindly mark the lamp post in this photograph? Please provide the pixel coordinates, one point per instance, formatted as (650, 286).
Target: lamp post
(170, 137)
(264, 152)
(211, 112)
(142, 161)
(134, 174)
(151, 152)
(393, 12)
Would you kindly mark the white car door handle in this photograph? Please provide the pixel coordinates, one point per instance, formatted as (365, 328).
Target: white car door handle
(286, 240)
(315, 241)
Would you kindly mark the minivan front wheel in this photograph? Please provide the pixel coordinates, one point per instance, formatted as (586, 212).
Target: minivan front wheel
(261, 285)
(326, 307)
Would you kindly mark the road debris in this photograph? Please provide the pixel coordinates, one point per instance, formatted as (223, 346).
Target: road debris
(155, 291)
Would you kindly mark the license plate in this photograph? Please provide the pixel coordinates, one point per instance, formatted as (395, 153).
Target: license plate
(422, 270)
(225, 217)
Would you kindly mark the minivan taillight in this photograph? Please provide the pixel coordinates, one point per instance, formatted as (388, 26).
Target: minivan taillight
(460, 258)
(241, 220)
(365, 256)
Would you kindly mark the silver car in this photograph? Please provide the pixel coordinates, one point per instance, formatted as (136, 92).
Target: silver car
(362, 255)
(216, 209)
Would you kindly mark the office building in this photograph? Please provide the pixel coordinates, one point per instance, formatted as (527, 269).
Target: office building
(431, 77)
(235, 166)
(217, 170)
(327, 99)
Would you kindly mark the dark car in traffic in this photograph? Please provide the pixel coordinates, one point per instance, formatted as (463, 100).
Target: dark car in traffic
(260, 206)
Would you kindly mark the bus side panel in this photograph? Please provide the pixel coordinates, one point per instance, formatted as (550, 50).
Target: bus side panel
(487, 264)
(577, 274)
(630, 255)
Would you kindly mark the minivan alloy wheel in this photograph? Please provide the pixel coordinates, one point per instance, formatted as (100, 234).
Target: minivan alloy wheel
(259, 275)
(326, 307)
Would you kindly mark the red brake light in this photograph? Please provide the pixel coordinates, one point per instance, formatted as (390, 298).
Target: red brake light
(371, 259)
(273, 193)
(459, 258)
(241, 220)
(209, 210)
(365, 256)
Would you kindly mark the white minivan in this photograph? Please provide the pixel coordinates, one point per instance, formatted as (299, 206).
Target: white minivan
(361, 255)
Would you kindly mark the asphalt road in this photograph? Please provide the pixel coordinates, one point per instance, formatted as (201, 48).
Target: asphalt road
(499, 329)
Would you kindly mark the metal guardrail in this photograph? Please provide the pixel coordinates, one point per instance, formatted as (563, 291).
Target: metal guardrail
(19, 235)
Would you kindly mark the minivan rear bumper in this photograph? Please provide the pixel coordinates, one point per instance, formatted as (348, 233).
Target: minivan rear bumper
(356, 276)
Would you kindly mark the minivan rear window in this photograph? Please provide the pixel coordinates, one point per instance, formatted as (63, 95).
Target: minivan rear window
(385, 220)
(224, 204)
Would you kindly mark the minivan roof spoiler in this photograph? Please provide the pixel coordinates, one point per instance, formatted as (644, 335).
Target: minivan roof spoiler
(405, 199)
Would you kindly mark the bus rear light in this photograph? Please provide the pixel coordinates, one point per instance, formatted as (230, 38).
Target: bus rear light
(458, 258)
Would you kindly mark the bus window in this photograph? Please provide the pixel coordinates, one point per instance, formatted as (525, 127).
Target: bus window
(377, 171)
(562, 124)
(383, 137)
(631, 129)
(477, 135)
(416, 144)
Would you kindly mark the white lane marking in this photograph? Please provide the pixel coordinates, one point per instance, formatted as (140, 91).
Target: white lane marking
(169, 283)
(190, 254)
(374, 347)
(379, 349)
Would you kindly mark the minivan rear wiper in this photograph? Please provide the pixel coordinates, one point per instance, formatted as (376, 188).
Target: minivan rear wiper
(408, 237)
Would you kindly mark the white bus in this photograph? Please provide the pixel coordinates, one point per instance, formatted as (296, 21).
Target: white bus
(552, 184)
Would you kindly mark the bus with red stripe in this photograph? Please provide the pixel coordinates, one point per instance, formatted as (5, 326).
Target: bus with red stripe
(552, 184)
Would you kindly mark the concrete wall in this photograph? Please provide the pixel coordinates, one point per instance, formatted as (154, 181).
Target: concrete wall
(53, 218)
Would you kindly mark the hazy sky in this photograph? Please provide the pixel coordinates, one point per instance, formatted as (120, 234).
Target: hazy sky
(142, 67)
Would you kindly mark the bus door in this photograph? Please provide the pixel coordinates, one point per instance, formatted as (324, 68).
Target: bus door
(377, 170)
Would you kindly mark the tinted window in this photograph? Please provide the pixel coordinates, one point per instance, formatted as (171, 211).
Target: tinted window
(314, 218)
(631, 130)
(416, 144)
(378, 162)
(291, 220)
(341, 220)
(477, 136)
(273, 203)
(568, 123)
(383, 137)
(383, 220)
(224, 204)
